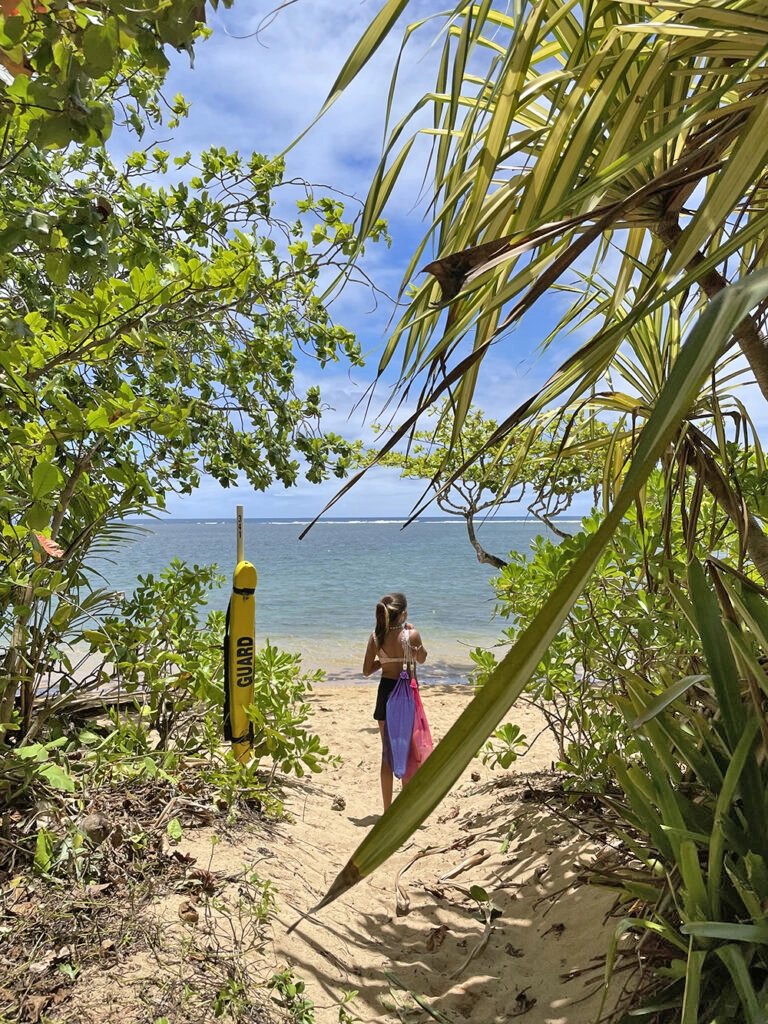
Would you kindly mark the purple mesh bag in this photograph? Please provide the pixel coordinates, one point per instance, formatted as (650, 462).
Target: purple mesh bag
(401, 710)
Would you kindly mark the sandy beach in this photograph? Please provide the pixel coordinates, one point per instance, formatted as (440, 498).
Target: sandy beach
(509, 832)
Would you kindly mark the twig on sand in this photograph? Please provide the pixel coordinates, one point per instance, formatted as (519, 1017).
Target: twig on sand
(422, 1002)
(401, 895)
(479, 947)
(468, 862)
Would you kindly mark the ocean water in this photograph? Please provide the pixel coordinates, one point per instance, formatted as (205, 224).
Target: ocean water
(317, 596)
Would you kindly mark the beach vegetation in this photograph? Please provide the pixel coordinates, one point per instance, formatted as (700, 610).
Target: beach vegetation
(290, 993)
(127, 379)
(692, 807)
(506, 744)
(564, 162)
(166, 663)
(152, 313)
(545, 466)
(625, 625)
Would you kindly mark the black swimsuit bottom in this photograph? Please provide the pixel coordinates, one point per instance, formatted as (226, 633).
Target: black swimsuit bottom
(386, 686)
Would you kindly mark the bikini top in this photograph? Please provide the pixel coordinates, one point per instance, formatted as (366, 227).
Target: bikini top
(405, 656)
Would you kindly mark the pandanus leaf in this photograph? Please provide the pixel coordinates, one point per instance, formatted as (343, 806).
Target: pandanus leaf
(731, 784)
(666, 698)
(452, 755)
(734, 959)
(722, 666)
(726, 681)
(689, 1013)
(726, 930)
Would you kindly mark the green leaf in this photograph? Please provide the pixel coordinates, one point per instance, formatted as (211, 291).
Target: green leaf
(57, 264)
(57, 777)
(43, 850)
(98, 49)
(98, 419)
(365, 48)
(726, 930)
(45, 478)
(174, 830)
(720, 660)
(689, 1013)
(734, 959)
(669, 696)
(733, 781)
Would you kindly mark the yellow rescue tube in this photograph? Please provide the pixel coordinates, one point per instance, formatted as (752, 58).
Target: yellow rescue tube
(239, 654)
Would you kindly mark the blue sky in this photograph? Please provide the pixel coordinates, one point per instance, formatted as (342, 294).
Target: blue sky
(255, 86)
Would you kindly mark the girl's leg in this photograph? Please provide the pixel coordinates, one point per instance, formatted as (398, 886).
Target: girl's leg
(386, 773)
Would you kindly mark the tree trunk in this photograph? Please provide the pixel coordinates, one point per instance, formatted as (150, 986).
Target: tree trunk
(716, 483)
(15, 674)
(482, 555)
(747, 335)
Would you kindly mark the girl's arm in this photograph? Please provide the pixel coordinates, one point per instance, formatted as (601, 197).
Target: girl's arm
(419, 651)
(370, 663)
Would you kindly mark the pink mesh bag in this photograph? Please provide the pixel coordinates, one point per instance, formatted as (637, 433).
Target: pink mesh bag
(421, 739)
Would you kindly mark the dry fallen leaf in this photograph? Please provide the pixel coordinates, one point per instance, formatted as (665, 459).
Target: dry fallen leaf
(436, 937)
(33, 1006)
(41, 966)
(22, 909)
(183, 858)
(453, 813)
(188, 913)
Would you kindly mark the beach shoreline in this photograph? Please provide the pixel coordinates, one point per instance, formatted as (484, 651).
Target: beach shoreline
(444, 663)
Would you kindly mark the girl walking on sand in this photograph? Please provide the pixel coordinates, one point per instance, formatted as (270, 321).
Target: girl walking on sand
(393, 643)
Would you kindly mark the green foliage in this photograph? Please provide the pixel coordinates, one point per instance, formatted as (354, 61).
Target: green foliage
(151, 320)
(71, 63)
(290, 995)
(506, 744)
(469, 473)
(40, 766)
(345, 1015)
(693, 804)
(136, 371)
(174, 664)
(280, 713)
(159, 649)
(626, 626)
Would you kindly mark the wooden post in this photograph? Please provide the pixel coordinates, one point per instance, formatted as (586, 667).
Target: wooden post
(240, 536)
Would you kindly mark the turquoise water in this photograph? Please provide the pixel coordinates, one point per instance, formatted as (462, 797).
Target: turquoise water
(317, 596)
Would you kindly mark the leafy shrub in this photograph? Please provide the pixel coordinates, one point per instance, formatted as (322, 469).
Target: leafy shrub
(157, 649)
(623, 627)
(280, 714)
(505, 746)
(693, 811)
(177, 665)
